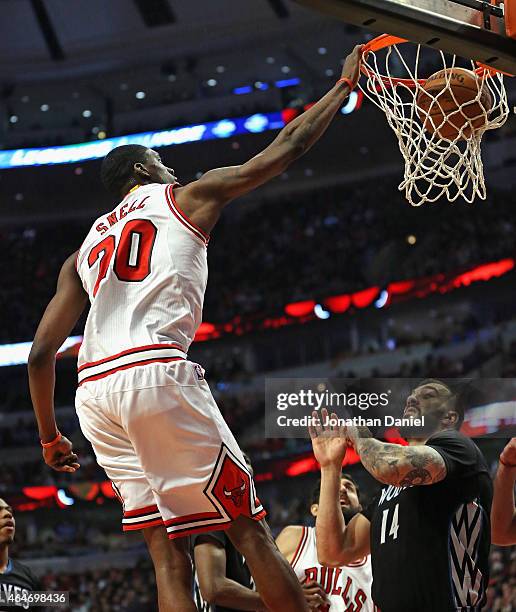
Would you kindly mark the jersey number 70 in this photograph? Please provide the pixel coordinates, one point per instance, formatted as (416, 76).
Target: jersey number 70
(132, 255)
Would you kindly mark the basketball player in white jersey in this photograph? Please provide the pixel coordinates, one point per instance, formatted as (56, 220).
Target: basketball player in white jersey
(146, 409)
(329, 589)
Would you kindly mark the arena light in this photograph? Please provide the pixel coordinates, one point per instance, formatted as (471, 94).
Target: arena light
(64, 499)
(300, 309)
(245, 89)
(320, 312)
(18, 354)
(338, 303)
(382, 300)
(256, 123)
(67, 154)
(287, 82)
(362, 299)
(40, 492)
(400, 287)
(85, 151)
(302, 466)
(353, 102)
(224, 128)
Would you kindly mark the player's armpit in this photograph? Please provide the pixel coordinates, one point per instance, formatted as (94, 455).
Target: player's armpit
(356, 544)
(401, 466)
(288, 541)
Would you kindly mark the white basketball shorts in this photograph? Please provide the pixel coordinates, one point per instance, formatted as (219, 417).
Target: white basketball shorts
(159, 435)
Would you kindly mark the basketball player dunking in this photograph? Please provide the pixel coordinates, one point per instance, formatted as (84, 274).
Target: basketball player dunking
(428, 530)
(149, 414)
(346, 588)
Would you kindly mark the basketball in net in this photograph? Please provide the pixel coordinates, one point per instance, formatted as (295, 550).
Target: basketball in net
(454, 103)
(439, 111)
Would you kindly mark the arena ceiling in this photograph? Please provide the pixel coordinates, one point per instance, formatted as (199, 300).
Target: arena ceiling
(41, 39)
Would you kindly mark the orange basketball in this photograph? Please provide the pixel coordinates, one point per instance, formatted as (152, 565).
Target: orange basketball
(454, 99)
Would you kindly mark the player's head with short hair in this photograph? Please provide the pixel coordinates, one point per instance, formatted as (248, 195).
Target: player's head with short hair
(349, 495)
(7, 524)
(127, 166)
(441, 405)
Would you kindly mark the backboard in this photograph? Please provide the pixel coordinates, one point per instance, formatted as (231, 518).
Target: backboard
(473, 29)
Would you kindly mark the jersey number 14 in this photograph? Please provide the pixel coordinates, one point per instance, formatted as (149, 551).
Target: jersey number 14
(132, 255)
(393, 531)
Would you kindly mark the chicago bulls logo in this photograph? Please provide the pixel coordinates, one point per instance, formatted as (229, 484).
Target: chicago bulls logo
(236, 494)
(231, 487)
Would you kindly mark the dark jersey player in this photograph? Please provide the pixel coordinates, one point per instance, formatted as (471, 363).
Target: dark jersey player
(16, 579)
(428, 530)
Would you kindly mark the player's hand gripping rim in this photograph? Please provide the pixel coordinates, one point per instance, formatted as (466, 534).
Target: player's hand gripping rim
(61, 457)
(352, 64)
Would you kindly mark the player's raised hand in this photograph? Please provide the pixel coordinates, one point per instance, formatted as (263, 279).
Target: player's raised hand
(508, 456)
(61, 457)
(329, 441)
(314, 594)
(352, 63)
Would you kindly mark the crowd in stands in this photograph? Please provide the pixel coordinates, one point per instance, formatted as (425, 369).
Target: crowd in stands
(114, 590)
(308, 245)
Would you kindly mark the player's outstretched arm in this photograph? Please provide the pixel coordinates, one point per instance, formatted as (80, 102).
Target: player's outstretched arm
(393, 464)
(58, 321)
(503, 511)
(216, 588)
(204, 199)
(337, 543)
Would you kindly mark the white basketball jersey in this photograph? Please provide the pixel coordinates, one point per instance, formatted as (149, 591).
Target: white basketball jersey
(348, 587)
(144, 267)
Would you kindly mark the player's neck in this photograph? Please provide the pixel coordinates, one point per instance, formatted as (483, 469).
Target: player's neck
(4, 557)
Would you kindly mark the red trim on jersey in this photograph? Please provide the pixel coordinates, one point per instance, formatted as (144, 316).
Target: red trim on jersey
(186, 532)
(193, 518)
(138, 349)
(130, 365)
(182, 218)
(141, 511)
(181, 533)
(302, 543)
(143, 525)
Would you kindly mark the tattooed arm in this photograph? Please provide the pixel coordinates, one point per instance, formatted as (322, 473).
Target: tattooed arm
(399, 465)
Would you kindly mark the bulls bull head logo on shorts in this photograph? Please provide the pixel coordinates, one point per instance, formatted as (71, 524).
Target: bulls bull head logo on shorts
(236, 494)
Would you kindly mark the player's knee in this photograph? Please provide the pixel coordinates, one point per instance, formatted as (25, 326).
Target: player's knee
(172, 555)
(250, 536)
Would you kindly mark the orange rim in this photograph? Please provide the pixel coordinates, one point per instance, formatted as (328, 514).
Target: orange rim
(387, 40)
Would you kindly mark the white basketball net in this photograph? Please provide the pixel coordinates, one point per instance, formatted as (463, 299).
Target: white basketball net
(434, 166)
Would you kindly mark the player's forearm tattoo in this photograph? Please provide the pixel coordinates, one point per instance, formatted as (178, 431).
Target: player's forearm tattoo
(400, 465)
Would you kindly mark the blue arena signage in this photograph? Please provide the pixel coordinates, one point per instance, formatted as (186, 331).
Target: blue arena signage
(69, 154)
